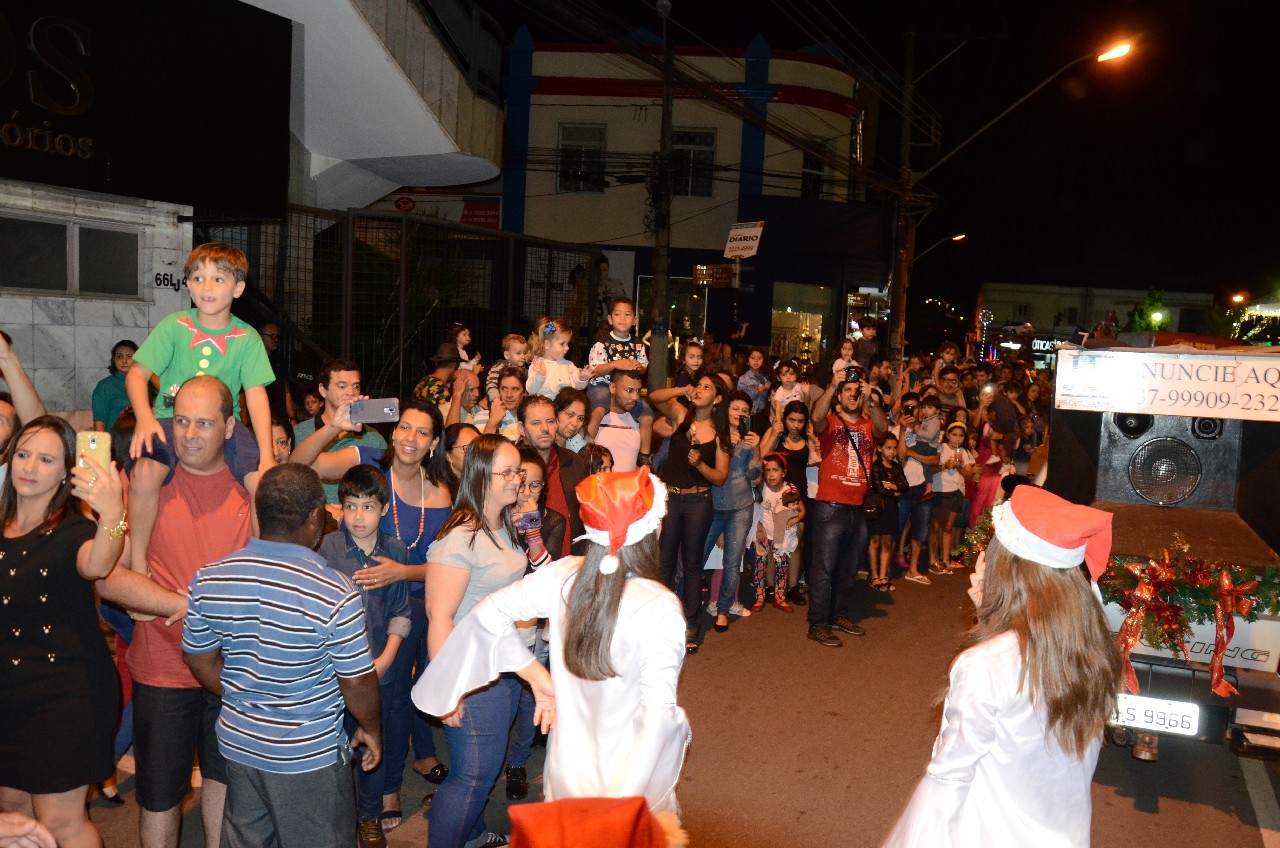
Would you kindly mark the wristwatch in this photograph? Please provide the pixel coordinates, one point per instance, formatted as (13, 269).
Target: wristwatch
(120, 529)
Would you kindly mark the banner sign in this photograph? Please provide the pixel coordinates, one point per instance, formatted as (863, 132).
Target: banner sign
(1220, 385)
(744, 240)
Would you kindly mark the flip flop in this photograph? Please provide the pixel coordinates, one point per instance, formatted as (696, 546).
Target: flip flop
(436, 774)
(919, 578)
(387, 816)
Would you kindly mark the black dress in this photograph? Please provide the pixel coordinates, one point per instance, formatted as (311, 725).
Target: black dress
(59, 693)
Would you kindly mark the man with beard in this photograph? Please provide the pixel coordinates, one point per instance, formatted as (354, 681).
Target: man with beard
(565, 469)
(619, 430)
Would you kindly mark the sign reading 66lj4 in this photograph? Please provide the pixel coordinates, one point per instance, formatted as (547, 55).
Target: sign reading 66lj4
(1231, 384)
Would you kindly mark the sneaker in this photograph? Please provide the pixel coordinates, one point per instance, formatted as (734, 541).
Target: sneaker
(517, 784)
(739, 610)
(846, 625)
(712, 610)
(823, 636)
(369, 833)
(490, 840)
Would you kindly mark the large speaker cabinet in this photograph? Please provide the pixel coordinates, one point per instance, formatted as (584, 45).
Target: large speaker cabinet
(1214, 481)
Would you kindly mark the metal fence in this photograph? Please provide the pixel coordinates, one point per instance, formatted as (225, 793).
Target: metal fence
(382, 288)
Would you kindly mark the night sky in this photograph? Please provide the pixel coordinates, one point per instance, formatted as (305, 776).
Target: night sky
(1155, 170)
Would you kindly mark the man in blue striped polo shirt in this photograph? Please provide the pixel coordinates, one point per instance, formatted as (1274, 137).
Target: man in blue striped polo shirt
(280, 637)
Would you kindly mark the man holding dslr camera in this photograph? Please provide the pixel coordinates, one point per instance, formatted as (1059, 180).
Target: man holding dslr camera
(847, 424)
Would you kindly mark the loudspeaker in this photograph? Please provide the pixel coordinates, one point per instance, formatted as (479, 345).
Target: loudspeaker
(1213, 481)
(1168, 460)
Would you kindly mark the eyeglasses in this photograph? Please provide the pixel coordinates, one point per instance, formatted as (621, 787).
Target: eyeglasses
(510, 474)
(531, 487)
(948, 380)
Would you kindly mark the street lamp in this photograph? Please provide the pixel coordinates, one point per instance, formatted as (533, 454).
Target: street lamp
(941, 241)
(1114, 53)
(906, 223)
(1237, 298)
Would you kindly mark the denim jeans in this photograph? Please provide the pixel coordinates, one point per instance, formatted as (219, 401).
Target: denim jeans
(736, 525)
(403, 718)
(911, 508)
(839, 544)
(684, 538)
(370, 785)
(522, 735)
(476, 753)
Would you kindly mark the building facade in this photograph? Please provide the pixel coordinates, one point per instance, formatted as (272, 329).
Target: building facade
(757, 135)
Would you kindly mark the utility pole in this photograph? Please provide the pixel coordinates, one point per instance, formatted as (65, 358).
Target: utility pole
(659, 340)
(904, 231)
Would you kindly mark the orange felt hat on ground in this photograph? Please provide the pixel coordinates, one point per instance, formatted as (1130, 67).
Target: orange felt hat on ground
(590, 823)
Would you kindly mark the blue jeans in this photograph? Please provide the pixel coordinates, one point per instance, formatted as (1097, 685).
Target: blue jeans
(476, 753)
(370, 785)
(911, 508)
(839, 545)
(736, 525)
(683, 540)
(525, 731)
(402, 718)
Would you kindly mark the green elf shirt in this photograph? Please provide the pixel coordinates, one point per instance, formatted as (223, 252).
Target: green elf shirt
(179, 349)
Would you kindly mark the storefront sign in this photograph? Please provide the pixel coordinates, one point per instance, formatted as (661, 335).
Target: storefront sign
(1223, 385)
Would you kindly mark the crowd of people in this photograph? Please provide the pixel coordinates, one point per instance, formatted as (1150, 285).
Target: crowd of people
(291, 588)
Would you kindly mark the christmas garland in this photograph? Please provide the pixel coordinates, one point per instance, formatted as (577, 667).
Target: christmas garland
(1163, 596)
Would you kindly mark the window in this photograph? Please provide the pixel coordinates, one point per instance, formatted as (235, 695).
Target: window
(67, 258)
(693, 161)
(582, 151)
(813, 177)
(1022, 310)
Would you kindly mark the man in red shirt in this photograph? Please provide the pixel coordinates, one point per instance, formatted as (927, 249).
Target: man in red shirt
(847, 434)
(203, 516)
(565, 469)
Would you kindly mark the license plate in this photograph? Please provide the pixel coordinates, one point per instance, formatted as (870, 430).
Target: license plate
(1154, 714)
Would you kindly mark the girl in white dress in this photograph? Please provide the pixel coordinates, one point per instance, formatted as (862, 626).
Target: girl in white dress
(1030, 693)
(617, 644)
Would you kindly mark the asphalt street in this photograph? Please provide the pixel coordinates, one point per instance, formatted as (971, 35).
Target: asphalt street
(804, 746)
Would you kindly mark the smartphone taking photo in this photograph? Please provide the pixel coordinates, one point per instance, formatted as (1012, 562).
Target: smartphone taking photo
(375, 410)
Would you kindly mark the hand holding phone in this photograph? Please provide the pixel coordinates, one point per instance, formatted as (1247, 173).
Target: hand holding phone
(375, 410)
(94, 444)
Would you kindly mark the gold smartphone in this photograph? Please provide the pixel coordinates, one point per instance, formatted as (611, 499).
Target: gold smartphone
(95, 444)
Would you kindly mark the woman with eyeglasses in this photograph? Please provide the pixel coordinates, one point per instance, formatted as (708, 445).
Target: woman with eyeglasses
(476, 553)
(421, 499)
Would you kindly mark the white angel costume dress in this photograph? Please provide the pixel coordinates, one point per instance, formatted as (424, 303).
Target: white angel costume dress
(998, 778)
(613, 738)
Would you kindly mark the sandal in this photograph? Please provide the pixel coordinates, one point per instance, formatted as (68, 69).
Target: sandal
(436, 774)
(919, 578)
(388, 816)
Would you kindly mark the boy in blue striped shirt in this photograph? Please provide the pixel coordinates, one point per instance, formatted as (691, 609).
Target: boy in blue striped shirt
(364, 495)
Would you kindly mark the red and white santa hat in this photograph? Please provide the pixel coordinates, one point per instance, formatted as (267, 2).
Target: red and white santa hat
(620, 508)
(594, 822)
(1042, 527)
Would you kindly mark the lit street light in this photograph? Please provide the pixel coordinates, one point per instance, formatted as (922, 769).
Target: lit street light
(1237, 298)
(941, 241)
(906, 206)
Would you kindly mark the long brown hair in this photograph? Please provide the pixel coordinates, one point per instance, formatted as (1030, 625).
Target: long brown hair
(1070, 663)
(473, 488)
(62, 504)
(592, 605)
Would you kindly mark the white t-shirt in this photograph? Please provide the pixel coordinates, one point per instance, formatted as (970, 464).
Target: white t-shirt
(950, 479)
(620, 433)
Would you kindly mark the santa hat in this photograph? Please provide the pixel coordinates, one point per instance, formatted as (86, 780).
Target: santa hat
(620, 508)
(1042, 527)
(593, 822)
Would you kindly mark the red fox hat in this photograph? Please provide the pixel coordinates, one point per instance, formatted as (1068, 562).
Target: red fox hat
(620, 508)
(1042, 527)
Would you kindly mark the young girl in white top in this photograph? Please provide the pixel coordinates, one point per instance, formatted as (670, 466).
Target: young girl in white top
(955, 465)
(550, 371)
(777, 517)
(844, 360)
(460, 335)
(788, 389)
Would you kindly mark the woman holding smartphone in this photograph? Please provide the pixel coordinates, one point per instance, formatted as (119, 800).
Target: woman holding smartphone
(733, 504)
(417, 468)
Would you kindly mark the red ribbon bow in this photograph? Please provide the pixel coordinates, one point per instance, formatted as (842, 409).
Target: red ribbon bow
(1232, 601)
